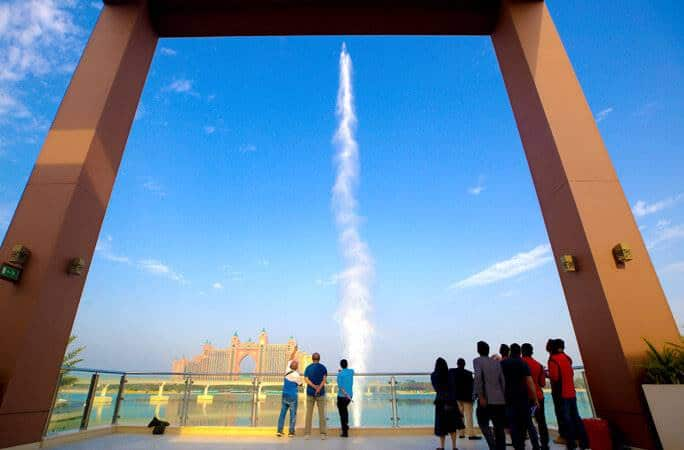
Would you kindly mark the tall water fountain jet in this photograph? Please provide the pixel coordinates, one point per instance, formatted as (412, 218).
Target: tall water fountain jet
(354, 281)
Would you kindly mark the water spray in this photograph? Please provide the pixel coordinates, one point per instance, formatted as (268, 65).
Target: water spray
(354, 281)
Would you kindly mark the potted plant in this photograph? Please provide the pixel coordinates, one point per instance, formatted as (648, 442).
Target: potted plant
(664, 391)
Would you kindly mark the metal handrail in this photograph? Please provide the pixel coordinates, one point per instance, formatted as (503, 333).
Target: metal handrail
(242, 374)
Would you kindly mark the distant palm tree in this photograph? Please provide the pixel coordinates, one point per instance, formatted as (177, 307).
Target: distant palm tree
(70, 360)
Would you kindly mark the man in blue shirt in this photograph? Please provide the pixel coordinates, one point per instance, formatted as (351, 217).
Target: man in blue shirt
(315, 376)
(345, 392)
(290, 384)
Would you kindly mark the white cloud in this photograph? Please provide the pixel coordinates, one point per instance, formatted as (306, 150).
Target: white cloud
(642, 208)
(97, 5)
(675, 267)
(217, 285)
(139, 112)
(209, 129)
(168, 51)
(603, 114)
(264, 262)
(181, 86)
(232, 274)
(11, 106)
(477, 189)
(157, 267)
(36, 36)
(153, 186)
(249, 148)
(518, 264)
(666, 234)
(150, 265)
(6, 212)
(103, 248)
(332, 280)
(662, 223)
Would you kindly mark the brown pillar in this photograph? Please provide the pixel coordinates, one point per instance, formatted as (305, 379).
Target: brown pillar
(60, 215)
(586, 214)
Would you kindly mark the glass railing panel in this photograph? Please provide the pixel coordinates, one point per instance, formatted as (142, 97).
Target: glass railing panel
(269, 400)
(225, 401)
(69, 402)
(415, 401)
(148, 396)
(584, 405)
(372, 405)
(104, 400)
(237, 400)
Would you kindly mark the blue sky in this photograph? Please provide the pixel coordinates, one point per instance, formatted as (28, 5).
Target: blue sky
(221, 217)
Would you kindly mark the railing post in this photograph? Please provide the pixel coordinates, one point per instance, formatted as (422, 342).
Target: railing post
(89, 401)
(182, 401)
(54, 401)
(255, 400)
(395, 409)
(186, 401)
(119, 398)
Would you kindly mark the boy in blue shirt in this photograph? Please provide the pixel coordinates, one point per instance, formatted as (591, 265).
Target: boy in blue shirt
(290, 384)
(315, 376)
(345, 392)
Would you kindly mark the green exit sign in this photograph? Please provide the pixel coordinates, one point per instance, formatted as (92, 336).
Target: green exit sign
(10, 273)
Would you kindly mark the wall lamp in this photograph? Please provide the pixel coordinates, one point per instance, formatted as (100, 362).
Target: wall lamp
(76, 266)
(568, 263)
(622, 253)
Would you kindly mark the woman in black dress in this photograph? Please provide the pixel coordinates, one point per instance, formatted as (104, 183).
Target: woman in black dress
(447, 416)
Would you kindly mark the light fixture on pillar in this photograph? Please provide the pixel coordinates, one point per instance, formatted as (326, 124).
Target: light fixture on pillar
(20, 255)
(76, 266)
(622, 253)
(568, 263)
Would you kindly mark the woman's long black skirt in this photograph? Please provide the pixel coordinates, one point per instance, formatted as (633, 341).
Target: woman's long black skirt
(447, 419)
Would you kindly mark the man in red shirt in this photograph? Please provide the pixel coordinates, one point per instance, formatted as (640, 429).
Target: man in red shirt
(562, 375)
(539, 378)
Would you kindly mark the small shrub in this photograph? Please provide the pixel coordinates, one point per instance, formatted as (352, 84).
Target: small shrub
(665, 366)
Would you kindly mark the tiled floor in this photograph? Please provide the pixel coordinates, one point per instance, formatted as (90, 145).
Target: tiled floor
(171, 442)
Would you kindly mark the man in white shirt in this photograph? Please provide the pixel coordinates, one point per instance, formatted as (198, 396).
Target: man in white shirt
(291, 383)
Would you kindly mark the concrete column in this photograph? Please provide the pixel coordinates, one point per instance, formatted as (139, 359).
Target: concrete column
(61, 211)
(586, 213)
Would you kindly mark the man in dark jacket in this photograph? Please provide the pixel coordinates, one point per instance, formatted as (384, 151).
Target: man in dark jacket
(464, 396)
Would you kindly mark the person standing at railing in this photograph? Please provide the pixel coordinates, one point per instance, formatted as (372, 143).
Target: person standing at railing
(562, 374)
(557, 402)
(291, 384)
(447, 416)
(464, 397)
(489, 389)
(521, 399)
(504, 353)
(345, 393)
(315, 376)
(539, 378)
